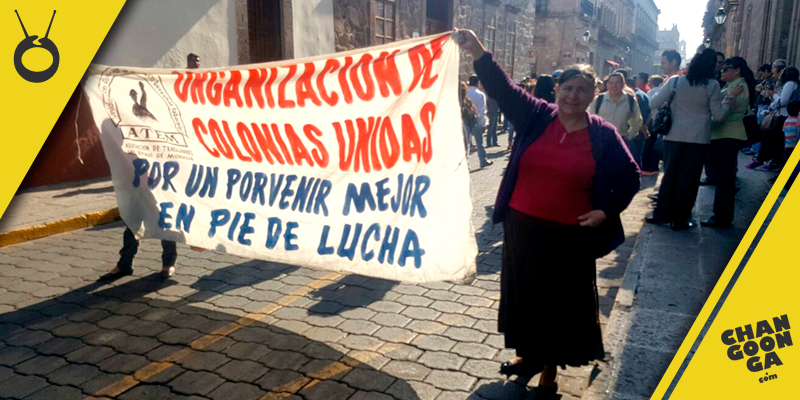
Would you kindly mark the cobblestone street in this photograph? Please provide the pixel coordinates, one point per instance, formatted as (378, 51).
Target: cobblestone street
(230, 328)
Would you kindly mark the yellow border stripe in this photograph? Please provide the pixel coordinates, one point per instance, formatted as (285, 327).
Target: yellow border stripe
(724, 280)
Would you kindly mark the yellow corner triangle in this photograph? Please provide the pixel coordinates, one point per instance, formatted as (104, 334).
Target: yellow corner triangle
(765, 289)
(30, 110)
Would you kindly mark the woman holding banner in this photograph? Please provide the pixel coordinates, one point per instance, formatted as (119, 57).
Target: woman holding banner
(568, 179)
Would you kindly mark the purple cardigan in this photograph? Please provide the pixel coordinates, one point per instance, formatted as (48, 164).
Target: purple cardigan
(617, 177)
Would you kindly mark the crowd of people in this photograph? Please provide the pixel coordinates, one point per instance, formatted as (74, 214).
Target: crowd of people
(717, 107)
(579, 145)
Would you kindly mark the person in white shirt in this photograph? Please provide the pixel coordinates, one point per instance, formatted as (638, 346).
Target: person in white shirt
(478, 99)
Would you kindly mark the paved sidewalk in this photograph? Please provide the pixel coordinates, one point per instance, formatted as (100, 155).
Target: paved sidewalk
(674, 274)
(50, 210)
(230, 328)
(50, 204)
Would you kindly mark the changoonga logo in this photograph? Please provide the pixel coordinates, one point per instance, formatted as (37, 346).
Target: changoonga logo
(763, 343)
(30, 42)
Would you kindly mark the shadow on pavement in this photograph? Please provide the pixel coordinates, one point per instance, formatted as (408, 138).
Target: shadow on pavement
(79, 192)
(84, 341)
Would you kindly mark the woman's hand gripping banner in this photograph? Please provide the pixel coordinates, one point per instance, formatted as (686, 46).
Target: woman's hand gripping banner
(352, 162)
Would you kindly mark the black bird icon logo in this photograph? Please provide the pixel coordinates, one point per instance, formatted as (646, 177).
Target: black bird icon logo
(27, 44)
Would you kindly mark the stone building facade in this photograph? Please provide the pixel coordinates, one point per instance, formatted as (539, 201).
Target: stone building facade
(505, 26)
(645, 33)
(608, 34)
(760, 31)
(566, 34)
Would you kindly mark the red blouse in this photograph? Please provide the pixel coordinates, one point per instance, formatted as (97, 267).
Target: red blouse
(556, 174)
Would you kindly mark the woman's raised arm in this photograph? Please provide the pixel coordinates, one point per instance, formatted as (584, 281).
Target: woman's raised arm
(518, 106)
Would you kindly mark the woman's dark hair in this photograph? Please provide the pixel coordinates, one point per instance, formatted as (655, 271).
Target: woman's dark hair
(746, 73)
(793, 108)
(765, 68)
(545, 88)
(644, 76)
(469, 115)
(790, 74)
(584, 71)
(702, 68)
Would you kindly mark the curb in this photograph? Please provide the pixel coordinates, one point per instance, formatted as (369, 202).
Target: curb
(619, 321)
(53, 228)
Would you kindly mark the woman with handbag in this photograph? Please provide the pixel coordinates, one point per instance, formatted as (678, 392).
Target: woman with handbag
(728, 136)
(568, 179)
(469, 115)
(772, 145)
(696, 100)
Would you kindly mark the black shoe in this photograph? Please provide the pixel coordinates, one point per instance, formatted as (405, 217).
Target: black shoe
(708, 182)
(521, 368)
(549, 392)
(714, 223)
(488, 163)
(651, 219)
(112, 276)
(681, 225)
(167, 273)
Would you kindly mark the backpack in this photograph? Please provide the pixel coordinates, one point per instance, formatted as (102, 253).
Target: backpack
(469, 114)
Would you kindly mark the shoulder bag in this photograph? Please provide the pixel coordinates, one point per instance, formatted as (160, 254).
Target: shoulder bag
(662, 121)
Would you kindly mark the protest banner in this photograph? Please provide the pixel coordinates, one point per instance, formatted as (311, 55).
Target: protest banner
(350, 162)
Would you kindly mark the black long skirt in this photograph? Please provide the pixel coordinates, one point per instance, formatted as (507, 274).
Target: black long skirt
(549, 309)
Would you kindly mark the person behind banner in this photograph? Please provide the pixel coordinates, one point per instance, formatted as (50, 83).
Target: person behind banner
(469, 115)
(569, 177)
(478, 99)
(130, 246)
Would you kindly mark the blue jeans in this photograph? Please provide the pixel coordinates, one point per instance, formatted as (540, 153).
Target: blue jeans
(491, 130)
(507, 125)
(636, 145)
(477, 134)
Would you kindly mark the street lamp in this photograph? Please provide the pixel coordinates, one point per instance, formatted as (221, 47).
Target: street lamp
(721, 15)
(586, 36)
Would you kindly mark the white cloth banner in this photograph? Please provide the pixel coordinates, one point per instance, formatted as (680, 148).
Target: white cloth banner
(351, 162)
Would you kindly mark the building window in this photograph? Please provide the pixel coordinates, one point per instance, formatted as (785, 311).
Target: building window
(264, 29)
(436, 16)
(384, 21)
(541, 7)
(490, 29)
(511, 43)
(587, 8)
